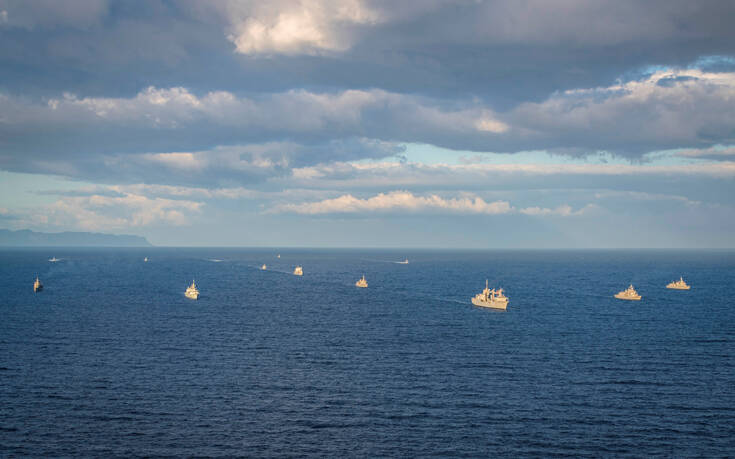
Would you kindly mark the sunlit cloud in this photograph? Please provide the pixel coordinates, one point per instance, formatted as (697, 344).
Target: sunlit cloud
(404, 201)
(98, 212)
(296, 27)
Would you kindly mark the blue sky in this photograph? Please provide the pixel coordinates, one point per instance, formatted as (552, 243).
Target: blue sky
(476, 124)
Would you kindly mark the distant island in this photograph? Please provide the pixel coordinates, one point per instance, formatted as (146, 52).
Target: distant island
(28, 238)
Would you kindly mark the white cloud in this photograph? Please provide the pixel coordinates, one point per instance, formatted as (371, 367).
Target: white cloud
(491, 125)
(397, 201)
(104, 213)
(404, 201)
(668, 109)
(341, 175)
(562, 211)
(293, 27)
(159, 120)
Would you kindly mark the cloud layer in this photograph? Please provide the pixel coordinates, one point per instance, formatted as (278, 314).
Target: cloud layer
(404, 201)
(669, 109)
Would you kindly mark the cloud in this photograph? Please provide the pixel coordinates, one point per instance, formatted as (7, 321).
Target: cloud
(103, 212)
(311, 26)
(49, 13)
(163, 120)
(340, 175)
(716, 153)
(563, 211)
(629, 119)
(643, 196)
(443, 49)
(404, 201)
(223, 166)
(296, 27)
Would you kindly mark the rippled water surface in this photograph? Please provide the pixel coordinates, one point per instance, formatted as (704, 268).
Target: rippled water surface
(112, 360)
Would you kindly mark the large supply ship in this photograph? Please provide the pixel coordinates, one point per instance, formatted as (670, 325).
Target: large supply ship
(491, 298)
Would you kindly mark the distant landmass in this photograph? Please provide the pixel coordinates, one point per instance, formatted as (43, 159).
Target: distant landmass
(28, 238)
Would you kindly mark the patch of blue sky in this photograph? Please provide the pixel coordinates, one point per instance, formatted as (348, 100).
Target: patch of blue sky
(708, 63)
(713, 62)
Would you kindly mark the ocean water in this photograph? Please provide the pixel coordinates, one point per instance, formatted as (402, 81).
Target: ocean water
(112, 360)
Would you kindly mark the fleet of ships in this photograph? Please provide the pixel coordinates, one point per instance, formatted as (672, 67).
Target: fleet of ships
(488, 298)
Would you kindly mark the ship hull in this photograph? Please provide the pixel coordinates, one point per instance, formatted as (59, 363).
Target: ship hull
(490, 304)
(193, 296)
(678, 288)
(629, 298)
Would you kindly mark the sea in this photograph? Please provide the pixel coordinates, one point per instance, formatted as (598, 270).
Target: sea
(112, 360)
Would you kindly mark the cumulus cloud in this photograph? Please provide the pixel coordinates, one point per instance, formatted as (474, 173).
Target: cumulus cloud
(404, 201)
(668, 109)
(104, 212)
(164, 120)
(296, 26)
(692, 109)
(311, 26)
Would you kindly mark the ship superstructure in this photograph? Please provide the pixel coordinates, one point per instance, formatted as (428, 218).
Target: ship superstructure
(362, 283)
(491, 298)
(191, 291)
(628, 294)
(678, 285)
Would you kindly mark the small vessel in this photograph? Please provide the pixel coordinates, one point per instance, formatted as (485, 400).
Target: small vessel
(298, 271)
(192, 292)
(628, 294)
(278, 256)
(263, 268)
(145, 260)
(37, 286)
(678, 285)
(53, 259)
(404, 262)
(361, 283)
(491, 298)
